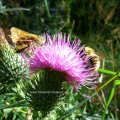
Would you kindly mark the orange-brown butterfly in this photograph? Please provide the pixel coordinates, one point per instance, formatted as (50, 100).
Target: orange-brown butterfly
(21, 40)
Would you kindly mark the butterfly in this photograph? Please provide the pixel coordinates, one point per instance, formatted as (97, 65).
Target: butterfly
(21, 40)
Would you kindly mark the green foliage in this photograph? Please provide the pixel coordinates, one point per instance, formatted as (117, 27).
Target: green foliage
(96, 23)
(116, 83)
(3, 9)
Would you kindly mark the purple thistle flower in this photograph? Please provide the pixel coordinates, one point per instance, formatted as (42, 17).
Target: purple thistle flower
(60, 55)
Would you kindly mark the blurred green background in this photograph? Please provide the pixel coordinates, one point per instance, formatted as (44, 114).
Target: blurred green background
(95, 22)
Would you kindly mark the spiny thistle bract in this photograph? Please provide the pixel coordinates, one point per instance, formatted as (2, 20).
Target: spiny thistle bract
(45, 90)
(12, 65)
(58, 57)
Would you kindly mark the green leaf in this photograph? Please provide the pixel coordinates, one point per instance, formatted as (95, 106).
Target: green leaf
(22, 103)
(107, 72)
(3, 9)
(116, 83)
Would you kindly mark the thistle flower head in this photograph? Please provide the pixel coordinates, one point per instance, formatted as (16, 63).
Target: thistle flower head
(69, 58)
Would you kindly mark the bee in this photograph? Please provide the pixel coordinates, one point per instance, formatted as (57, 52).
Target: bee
(21, 40)
(94, 60)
